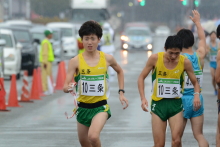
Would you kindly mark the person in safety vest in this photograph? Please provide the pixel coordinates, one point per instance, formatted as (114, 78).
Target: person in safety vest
(80, 45)
(107, 43)
(46, 58)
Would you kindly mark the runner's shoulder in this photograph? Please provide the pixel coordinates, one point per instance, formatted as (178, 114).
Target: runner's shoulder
(108, 57)
(187, 61)
(74, 59)
(153, 58)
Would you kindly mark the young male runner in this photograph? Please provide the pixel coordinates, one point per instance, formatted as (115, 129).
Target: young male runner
(217, 78)
(167, 77)
(90, 69)
(197, 61)
(213, 47)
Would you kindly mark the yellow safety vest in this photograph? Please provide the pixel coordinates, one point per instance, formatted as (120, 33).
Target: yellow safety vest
(50, 51)
(81, 50)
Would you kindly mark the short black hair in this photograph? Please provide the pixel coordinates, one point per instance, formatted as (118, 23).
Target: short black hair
(218, 31)
(89, 28)
(212, 33)
(187, 36)
(173, 42)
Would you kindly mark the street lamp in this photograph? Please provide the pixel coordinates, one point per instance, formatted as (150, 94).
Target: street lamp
(130, 4)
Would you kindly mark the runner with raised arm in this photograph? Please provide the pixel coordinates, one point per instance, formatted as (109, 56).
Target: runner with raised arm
(167, 76)
(197, 60)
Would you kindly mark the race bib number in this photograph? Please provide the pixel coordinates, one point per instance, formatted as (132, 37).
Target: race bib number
(93, 85)
(199, 77)
(168, 88)
(213, 57)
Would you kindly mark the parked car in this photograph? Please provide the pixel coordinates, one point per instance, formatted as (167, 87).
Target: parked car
(69, 40)
(135, 38)
(38, 35)
(19, 23)
(162, 30)
(12, 53)
(29, 50)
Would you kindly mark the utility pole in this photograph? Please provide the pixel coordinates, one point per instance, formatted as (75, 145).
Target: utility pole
(194, 4)
(28, 9)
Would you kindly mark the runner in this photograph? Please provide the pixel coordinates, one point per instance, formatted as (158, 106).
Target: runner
(217, 77)
(213, 47)
(167, 77)
(90, 69)
(197, 61)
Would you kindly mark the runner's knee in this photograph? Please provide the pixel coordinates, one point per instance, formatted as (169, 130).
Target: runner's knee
(84, 143)
(159, 145)
(176, 141)
(198, 136)
(93, 138)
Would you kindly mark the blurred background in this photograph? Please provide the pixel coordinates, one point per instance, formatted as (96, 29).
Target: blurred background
(132, 23)
(132, 31)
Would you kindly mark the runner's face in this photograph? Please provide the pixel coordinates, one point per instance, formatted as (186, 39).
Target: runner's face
(213, 37)
(173, 54)
(90, 42)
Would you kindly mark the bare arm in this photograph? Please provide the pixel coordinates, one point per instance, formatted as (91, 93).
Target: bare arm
(111, 61)
(72, 67)
(192, 77)
(147, 69)
(217, 72)
(202, 51)
(119, 71)
(217, 78)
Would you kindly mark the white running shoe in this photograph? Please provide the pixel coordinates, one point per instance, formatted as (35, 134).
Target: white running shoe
(46, 93)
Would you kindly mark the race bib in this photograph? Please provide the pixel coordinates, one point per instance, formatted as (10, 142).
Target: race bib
(199, 77)
(212, 57)
(93, 85)
(168, 88)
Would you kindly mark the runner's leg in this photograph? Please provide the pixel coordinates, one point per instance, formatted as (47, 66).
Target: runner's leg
(197, 128)
(176, 126)
(98, 123)
(218, 132)
(184, 125)
(83, 135)
(159, 131)
(213, 78)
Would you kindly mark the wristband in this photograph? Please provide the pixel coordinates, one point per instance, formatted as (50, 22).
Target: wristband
(196, 93)
(121, 90)
(218, 106)
(218, 101)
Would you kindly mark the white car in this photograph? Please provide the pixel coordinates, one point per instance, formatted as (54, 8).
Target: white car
(20, 23)
(69, 40)
(12, 53)
(162, 30)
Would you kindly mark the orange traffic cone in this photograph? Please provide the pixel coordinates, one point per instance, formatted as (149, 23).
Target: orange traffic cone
(64, 70)
(25, 89)
(61, 76)
(40, 82)
(35, 94)
(13, 96)
(2, 96)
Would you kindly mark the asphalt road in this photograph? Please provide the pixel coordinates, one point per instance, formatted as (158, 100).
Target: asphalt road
(43, 123)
